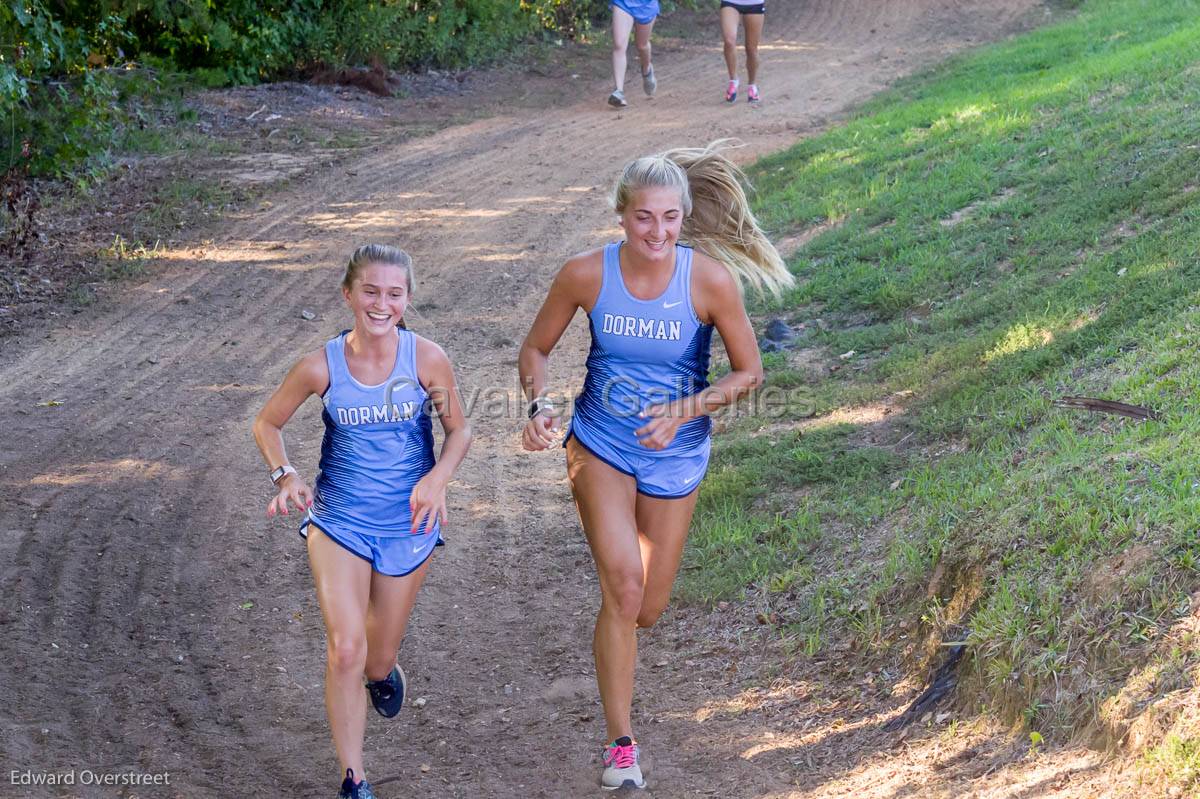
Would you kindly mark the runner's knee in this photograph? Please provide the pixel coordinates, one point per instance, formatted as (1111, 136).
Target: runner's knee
(347, 652)
(624, 595)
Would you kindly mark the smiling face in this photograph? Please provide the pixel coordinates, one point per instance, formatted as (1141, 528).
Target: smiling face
(652, 219)
(378, 297)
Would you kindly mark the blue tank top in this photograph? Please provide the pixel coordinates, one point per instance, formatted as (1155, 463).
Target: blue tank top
(378, 443)
(644, 352)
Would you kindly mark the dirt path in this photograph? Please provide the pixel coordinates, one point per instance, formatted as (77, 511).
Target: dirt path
(132, 538)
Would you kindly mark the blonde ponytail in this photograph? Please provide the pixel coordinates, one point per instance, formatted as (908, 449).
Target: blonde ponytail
(721, 224)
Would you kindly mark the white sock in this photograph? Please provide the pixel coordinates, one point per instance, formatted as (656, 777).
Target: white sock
(734, 81)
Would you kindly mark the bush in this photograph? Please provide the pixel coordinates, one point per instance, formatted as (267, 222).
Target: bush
(252, 41)
(59, 69)
(59, 100)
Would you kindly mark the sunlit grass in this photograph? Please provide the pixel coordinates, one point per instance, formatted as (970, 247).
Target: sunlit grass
(1017, 225)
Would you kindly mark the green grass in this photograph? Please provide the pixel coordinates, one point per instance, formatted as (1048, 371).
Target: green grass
(1177, 759)
(1020, 224)
(123, 260)
(181, 200)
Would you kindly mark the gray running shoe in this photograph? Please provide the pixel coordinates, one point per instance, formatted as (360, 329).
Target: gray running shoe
(649, 82)
(617, 99)
(350, 790)
(621, 768)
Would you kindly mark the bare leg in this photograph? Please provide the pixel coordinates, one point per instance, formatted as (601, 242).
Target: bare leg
(622, 24)
(663, 526)
(343, 582)
(729, 28)
(753, 23)
(391, 605)
(605, 499)
(641, 39)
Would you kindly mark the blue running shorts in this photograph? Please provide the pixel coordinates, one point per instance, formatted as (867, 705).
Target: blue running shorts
(672, 476)
(391, 556)
(642, 11)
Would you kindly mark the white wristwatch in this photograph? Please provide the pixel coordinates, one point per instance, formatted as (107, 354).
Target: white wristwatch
(282, 472)
(540, 405)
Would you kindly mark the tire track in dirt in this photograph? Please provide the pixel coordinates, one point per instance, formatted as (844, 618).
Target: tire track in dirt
(203, 641)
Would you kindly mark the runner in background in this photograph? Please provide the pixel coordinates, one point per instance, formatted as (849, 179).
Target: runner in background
(638, 16)
(750, 13)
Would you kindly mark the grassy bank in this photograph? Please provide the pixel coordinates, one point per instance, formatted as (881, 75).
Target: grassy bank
(1019, 225)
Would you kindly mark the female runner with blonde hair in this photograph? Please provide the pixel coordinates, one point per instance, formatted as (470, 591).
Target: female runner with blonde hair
(375, 513)
(638, 443)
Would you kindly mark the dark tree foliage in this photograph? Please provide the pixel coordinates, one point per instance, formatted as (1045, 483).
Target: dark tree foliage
(64, 64)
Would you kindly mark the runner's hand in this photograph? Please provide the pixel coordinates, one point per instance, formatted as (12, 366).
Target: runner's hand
(292, 489)
(427, 502)
(540, 432)
(660, 431)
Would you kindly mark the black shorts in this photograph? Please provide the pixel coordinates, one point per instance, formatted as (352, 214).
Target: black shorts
(761, 8)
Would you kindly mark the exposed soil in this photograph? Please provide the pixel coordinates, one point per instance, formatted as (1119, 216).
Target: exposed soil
(154, 620)
(219, 153)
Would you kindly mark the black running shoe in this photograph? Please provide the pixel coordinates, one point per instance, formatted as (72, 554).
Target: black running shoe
(387, 695)
(351, 790)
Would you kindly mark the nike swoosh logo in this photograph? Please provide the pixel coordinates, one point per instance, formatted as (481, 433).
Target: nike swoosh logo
(671, 304)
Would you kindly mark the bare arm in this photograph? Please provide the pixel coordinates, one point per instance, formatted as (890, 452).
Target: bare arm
(309, 376)
(575, 286)
(428, 499)
(723, 307)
